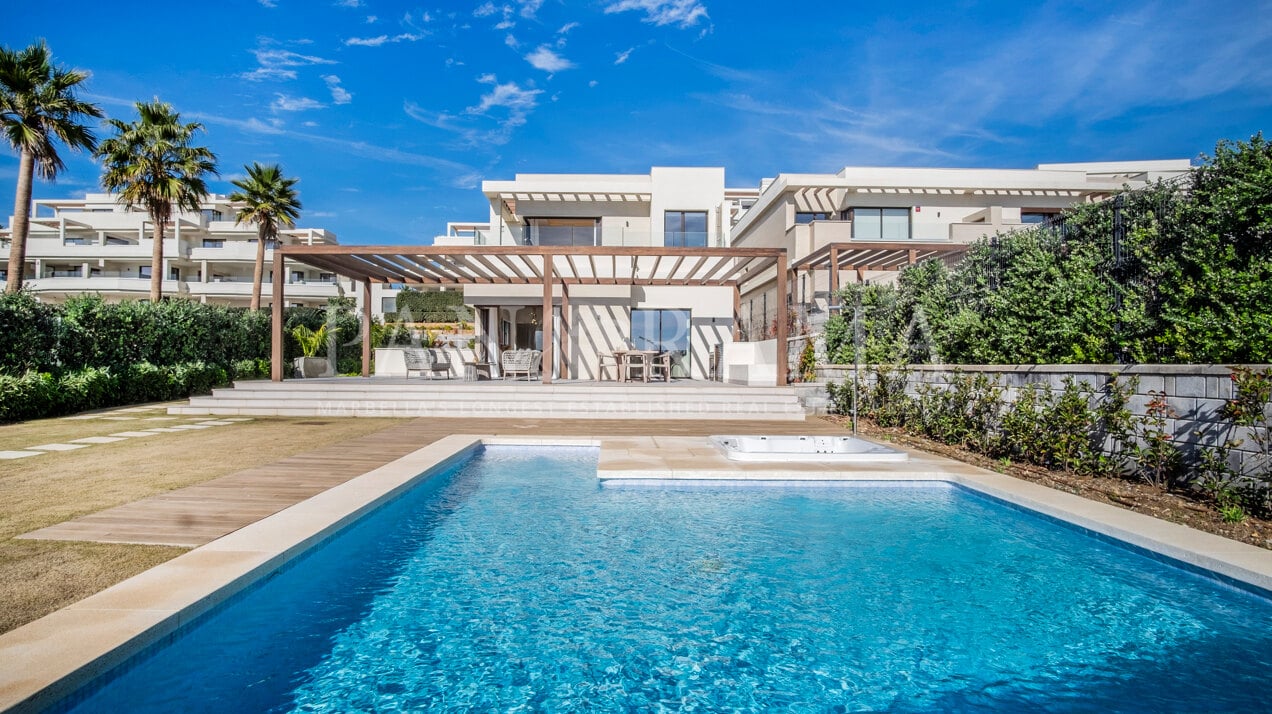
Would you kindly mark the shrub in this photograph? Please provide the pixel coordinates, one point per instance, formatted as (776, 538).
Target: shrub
(28, 396)
(28, 334)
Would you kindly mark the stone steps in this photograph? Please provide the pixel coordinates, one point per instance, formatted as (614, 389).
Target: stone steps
(597, 400)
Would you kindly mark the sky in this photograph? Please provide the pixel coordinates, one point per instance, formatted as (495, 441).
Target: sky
(391, 114)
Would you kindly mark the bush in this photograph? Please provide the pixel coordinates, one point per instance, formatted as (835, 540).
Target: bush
(36, 395)
(1191, 283)
(28, 334)
(29, 396)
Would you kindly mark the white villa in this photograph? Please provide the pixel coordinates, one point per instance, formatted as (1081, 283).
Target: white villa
(672, 261)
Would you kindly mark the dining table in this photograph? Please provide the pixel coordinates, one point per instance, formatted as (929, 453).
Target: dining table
(634, 360)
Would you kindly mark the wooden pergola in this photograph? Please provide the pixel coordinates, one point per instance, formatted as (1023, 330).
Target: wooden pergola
(547, 266)
(860, 256)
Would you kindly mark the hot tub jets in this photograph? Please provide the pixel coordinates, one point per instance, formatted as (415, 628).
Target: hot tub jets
(834, 449)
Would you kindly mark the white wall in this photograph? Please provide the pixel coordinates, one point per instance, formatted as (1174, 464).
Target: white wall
(687, 189)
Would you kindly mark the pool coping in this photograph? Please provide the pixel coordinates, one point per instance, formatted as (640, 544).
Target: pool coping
(50, 658)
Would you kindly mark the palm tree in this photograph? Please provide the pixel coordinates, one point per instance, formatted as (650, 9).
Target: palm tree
(151, 164)
(37, 107)
(268, 201)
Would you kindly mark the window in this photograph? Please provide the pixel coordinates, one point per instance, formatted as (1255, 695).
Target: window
(1036, 217)
(388, 304)
(77, 241)
(563, 231)
(326, 277)
(112, 240)
(174, 273)
(143, 271)
(213, 242)
(297, 276)
(880, 223)
(685, 229)
(210, 215)
(664, 331)
(802, 217)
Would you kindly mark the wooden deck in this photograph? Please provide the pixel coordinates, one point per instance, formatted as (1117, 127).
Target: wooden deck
(201, 513)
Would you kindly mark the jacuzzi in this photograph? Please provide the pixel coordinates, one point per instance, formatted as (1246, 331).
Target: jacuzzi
(834, 449)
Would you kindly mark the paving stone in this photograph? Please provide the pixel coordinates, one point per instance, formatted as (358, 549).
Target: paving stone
(57, 447)
(85, 416)
(237, 419)
(6, 455)
(97, 440)
(128, 434)
(217, 423)
(120, 418)
(165, 430)
(165, 418)
(183, 427)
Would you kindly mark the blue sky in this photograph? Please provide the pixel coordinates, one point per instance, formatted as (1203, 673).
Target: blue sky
(392, 113)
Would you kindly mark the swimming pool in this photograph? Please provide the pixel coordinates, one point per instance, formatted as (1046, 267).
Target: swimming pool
(513, 580)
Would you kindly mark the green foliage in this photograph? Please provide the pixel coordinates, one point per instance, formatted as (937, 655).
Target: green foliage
(430, 306)
(28, 333)
(311, 341)
(34, 395)
(808, 362)
(1194, 281)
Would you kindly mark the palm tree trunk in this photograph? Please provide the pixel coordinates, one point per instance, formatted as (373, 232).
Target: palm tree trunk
(21, 223)
(156, 261)
(258, 273)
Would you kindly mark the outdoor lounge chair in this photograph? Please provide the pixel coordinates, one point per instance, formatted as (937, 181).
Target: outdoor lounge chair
(426, 362)
(515, 362)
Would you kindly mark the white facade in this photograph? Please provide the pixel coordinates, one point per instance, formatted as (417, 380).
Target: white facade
(98, 245)
(806, 212)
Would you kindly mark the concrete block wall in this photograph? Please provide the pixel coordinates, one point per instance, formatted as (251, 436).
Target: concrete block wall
(1195, 393)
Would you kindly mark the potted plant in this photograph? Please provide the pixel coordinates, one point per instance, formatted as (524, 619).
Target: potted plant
(311, 341)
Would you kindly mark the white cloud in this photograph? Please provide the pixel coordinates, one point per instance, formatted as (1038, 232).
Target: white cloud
(506, 25)
(511, 41)
(383, 39)
(508, 95)
(309, 124)
(267, 3)
(285, 103)
(452, 62)
(545, 59)
(261, 74)
(567, 27)
(349, 3)
(621, 57)
(530, 7)
(371, 19)
(274, 64)
(507, 103)
(485, 10)
(339, 95)
(684, 13)
(593, 83)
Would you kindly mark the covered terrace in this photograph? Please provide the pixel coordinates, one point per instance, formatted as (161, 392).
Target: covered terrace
(554, 269)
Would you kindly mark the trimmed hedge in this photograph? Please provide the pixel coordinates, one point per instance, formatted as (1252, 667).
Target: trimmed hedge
(34, 395)
(430, 306)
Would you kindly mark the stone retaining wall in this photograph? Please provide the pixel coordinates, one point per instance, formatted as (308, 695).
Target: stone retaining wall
(1194, 392)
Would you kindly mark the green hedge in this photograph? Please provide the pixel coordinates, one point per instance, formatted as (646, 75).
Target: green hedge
(1191, 282)
(34, 395)
(430, 306)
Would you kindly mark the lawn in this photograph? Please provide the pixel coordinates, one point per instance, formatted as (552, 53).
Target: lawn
(38, 577)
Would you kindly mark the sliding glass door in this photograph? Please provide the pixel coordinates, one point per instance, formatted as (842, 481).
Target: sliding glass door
(664, 331)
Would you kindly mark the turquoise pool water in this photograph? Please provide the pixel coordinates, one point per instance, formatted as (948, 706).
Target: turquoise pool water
(514, 581)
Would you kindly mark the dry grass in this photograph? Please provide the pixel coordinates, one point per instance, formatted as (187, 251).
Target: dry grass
(37, 577)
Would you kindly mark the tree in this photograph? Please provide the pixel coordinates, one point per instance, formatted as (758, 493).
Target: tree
(38, 108)
(151, 164)
(269, 201)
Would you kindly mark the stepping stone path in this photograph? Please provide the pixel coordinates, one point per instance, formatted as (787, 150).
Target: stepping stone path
(119, 436)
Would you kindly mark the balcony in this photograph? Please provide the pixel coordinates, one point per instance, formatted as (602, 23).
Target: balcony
(51, 247)
(108, 283)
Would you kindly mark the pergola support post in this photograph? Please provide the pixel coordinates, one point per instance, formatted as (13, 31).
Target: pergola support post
(546, 365)
(276, 320)
(366, 328)
(834, 277)
(782, 318)
(563, 360)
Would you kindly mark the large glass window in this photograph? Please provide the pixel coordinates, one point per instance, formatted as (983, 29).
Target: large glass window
(685, 229)
(564, 231)
(881, 223)
(664, 331)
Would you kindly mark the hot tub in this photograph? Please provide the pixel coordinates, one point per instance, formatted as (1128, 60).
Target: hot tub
(835, 449)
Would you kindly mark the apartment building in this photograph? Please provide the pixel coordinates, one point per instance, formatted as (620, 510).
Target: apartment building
(98, 245)
(865, 222)
(869, 222)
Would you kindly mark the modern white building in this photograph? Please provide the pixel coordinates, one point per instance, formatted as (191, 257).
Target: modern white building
(97, 245)
(867, 222)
